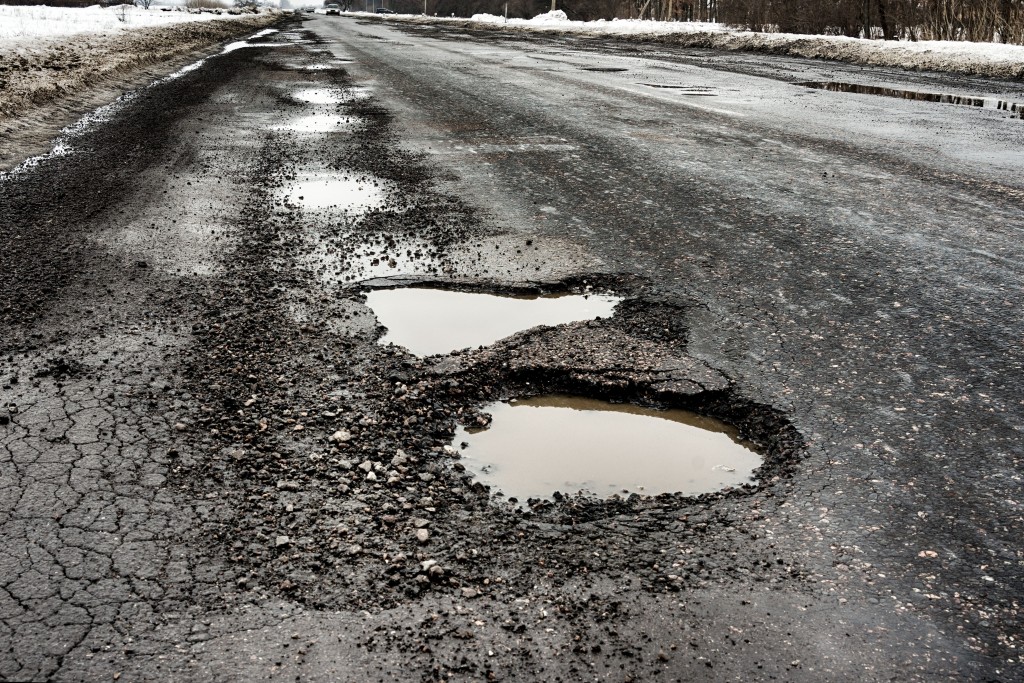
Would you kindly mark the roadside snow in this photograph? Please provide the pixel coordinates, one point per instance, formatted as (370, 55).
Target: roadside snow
(51, 73)
(21, 23)
(558, 21)
(988, 59)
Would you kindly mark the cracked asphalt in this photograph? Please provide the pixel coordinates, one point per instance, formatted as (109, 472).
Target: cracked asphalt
(210, 470)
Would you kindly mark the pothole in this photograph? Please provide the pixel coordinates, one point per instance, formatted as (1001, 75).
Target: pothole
(962, 100)
(685, 89)
(319, 96)
(351, 193)
(568, 444)
(329, 95)
(605, 69)
(318, 123)
(436, 321)
(318, 66)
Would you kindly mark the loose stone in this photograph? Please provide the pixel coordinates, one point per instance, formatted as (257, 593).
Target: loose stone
(340, 436)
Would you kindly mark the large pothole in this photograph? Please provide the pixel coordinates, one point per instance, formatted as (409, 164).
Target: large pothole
(540, 446)
(438, 321)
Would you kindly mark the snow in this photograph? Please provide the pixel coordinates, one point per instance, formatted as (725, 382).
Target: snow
(558, 21)
(993, 59)
(24, 23)
(64, 144)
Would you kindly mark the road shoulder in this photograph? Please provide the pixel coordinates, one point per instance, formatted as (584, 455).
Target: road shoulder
(50, 84)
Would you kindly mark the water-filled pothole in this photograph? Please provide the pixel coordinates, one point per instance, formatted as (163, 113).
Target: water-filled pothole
(319, 96)
(537, 446)
(330, 95)
(349, 193)
(702, 91)
(963, 100)
(433, 321)
(318, 123)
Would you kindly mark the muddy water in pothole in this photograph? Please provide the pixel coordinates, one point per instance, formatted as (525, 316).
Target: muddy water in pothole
(431, 321)
(536, 446)
(349, 193)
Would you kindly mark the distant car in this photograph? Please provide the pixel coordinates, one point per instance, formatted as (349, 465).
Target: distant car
(385, 10)
(333, 9)
(310, 10)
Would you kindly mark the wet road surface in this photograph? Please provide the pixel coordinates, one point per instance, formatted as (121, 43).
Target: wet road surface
(211, 470)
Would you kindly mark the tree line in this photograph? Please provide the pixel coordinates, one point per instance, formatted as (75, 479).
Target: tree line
(977, 20)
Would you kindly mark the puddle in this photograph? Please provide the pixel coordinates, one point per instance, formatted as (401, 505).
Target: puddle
(433, 321)
(685, 89)
(330, 96)
(537, 446)
(605, 69)
(962, 100)
(318, 123)
(351, 194)
(319, 96)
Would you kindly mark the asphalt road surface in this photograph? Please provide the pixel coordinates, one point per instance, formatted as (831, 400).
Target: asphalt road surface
(210, 470)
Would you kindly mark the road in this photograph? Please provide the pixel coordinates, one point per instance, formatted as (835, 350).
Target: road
(194, 396)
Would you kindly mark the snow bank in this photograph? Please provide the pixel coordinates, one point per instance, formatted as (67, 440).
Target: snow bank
(36, 70)
(21, 23)
(984, 59)
(554, 17)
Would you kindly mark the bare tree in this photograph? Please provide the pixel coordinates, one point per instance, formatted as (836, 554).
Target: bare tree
(977, 20)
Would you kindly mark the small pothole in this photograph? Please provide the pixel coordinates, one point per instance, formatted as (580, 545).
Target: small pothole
(569, 444)
(318, 123)
(697, 90)
(350, 193)
(319, 96)
(436, 321)
(943, 98)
